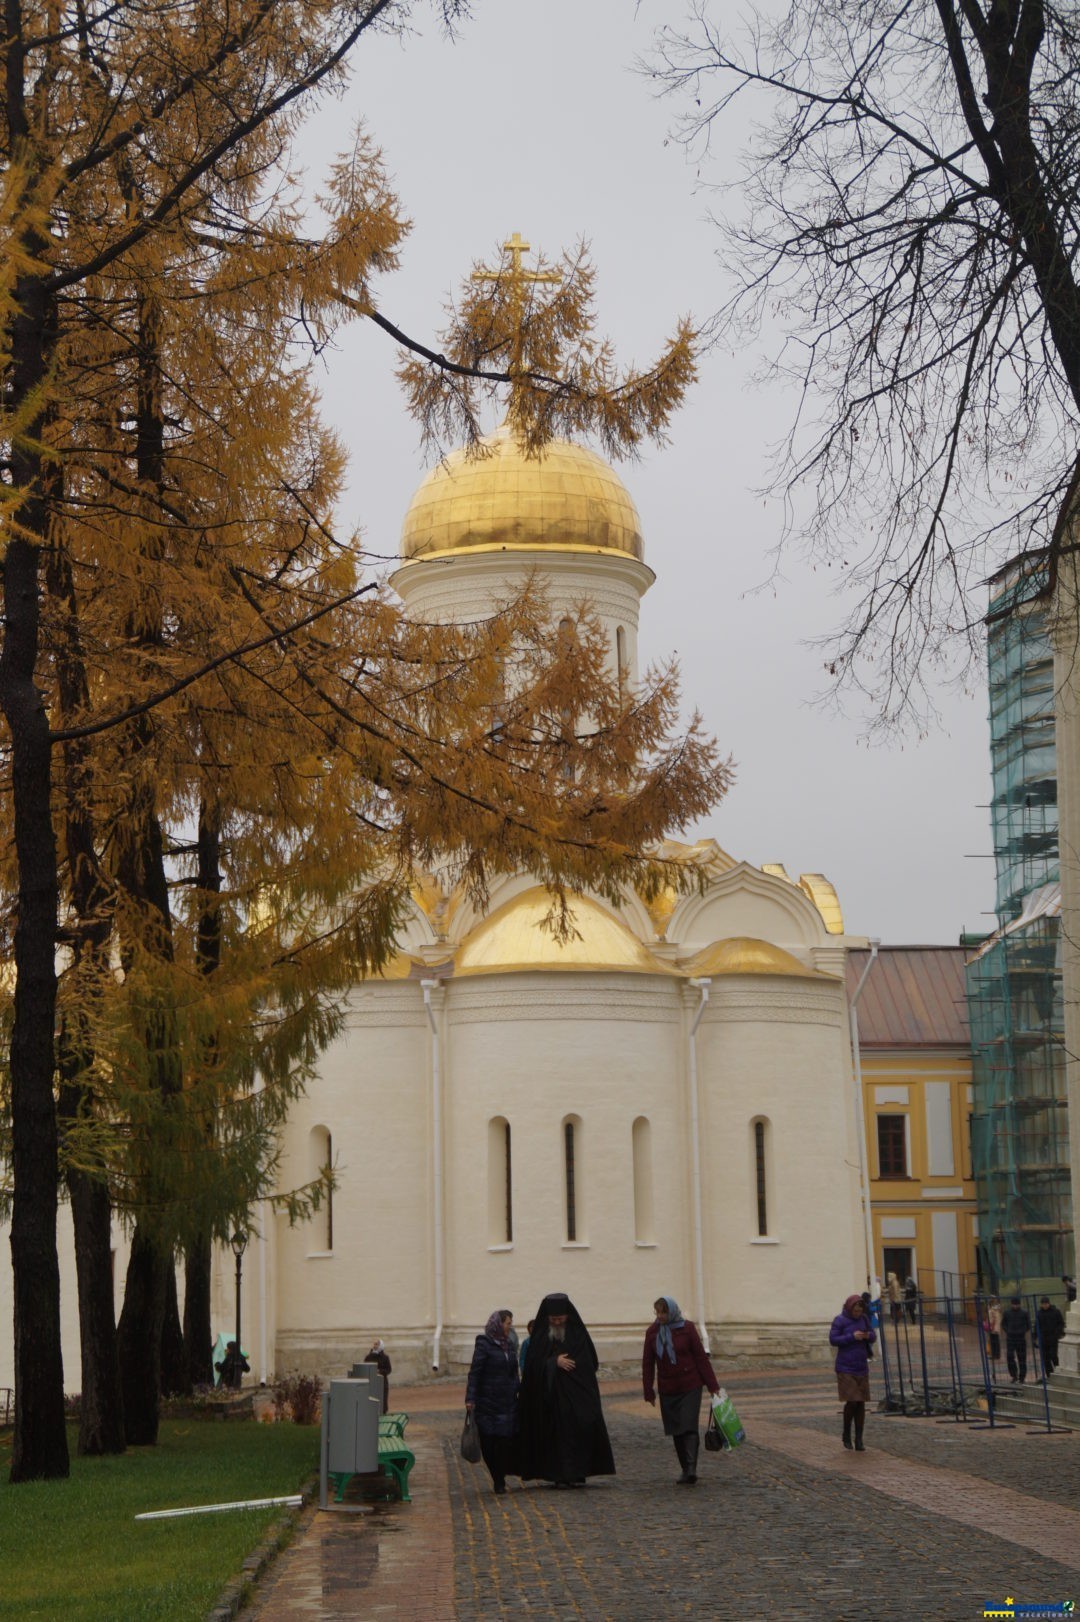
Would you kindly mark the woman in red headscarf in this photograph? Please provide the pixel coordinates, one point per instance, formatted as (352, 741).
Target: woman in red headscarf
(852, 1336)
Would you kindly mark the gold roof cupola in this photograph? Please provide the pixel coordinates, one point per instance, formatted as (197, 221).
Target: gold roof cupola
(499, 494)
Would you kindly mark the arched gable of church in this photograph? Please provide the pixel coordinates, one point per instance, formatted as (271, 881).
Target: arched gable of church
(467, 917)
(746, 901)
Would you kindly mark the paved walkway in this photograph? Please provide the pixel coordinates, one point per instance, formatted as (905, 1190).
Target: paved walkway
(933, 1521)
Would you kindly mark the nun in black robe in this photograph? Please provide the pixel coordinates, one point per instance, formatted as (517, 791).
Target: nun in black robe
(563, 1435)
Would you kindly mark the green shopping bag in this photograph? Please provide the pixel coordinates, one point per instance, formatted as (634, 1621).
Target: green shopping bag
(728, 1422)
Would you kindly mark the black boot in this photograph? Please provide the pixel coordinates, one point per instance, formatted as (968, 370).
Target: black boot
(691, 1444)
(680, 1449)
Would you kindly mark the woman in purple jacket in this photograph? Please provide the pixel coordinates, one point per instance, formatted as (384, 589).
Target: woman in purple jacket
(852, 1336)
(674, 1360)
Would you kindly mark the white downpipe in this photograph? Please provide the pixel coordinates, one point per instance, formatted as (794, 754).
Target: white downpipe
(704, 987)
(860, 1121)
(427, 987)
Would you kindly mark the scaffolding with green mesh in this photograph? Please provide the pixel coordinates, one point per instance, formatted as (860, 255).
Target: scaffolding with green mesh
(1019, 1125)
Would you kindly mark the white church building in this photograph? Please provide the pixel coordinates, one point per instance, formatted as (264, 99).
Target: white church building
(664, 1105)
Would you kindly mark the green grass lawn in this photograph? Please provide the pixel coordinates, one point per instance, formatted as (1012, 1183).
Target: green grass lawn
(73, 1549)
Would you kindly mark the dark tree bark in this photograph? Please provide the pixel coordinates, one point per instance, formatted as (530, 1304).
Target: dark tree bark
(101, 1414)
(39, 1446)
(141, 1325)
(175, 1377)
(198, 1330)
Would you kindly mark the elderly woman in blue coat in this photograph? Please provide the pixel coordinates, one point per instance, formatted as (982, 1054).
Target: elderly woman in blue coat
(492, 1394)
(852, 1336)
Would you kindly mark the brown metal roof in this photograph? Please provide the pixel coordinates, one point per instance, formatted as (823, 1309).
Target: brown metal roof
(913, 997)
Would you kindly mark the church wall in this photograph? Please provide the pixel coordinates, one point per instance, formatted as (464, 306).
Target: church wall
(373, 1094)
(534, 1050)
(465, 587)
(777, 1052)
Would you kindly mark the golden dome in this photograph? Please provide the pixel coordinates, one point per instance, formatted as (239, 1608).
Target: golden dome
(512, 939)
(744, 955)
(564, 497)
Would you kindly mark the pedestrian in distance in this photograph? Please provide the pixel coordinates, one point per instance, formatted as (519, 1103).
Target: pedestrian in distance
(492, 1395)
(1051, 1329)
(992, 1328)
(895, 1296)
(563, 1436)
(675, 1363)
(381, 1358)
(232, 1367)
(911, 1297)
(1070, 1288)
(1017, 1326)
(853, 1337)
(525, 1345)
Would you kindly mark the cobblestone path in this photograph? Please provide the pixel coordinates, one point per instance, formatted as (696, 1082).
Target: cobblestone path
(933, 1521)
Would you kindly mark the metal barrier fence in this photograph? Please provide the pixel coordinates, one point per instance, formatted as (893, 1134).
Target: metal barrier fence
(940, 1357)
(7, 1405)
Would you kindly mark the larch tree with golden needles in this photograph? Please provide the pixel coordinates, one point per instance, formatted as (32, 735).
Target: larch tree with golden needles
(92, 94)
(227, 753)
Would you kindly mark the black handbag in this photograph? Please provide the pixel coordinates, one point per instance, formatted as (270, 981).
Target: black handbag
(714, 1441)
(470, 1439)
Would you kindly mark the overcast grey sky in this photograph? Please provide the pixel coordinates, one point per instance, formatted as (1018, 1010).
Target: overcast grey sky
(534, 121)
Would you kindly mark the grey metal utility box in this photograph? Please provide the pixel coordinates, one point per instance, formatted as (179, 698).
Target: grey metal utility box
(350, 1430)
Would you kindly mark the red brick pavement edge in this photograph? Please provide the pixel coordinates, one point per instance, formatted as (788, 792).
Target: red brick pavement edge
(391, 1561)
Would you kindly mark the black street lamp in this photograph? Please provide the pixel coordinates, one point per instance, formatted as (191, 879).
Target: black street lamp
(239, 1245)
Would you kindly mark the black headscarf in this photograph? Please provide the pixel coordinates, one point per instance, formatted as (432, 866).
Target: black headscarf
(564, 1437)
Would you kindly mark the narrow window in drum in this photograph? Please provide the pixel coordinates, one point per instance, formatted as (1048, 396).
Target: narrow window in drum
(509, 1191)
(759, 1159)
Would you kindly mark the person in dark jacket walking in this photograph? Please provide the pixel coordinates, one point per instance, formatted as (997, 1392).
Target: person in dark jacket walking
(852, 1336)
(1017, 1326)
(1051, 1329)
(674, 1361)
(492, 1394)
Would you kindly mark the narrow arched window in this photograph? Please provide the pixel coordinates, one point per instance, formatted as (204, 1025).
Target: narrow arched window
(500, 1183)
(761, 1178)
(321, 1162)
(572, 1178)
(567, 635)
(620, 658)
(644, 1225)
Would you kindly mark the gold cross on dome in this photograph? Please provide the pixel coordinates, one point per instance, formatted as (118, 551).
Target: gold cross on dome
(517, 275)
(518, 278)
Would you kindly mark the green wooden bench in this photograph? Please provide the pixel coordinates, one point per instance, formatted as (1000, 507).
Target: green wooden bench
(395, 1459)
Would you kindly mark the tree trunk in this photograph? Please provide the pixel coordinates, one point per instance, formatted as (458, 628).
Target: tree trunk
(101, 1415)
(141, 1324)
(198, 1329)
(198, 1332)
(101, 1418)
(175, 1378)
(39, 1446)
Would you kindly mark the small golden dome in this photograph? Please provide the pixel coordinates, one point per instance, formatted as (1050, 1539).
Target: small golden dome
(513, 938)
(566, 496)
(744, 955)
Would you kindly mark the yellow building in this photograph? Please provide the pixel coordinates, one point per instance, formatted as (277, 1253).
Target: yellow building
(917, 1101)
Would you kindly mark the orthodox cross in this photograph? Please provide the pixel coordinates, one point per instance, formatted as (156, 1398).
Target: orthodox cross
(517, 278)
